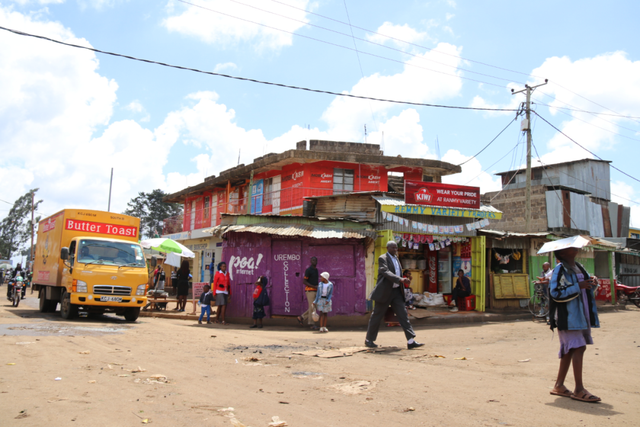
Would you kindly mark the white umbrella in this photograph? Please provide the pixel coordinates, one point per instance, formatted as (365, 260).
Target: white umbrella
(569, 242)
(162, 244)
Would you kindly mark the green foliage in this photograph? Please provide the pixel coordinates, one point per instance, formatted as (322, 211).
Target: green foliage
(15, 228)
(151, 210)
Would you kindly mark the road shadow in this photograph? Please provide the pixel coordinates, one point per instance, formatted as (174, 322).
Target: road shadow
(599, 409)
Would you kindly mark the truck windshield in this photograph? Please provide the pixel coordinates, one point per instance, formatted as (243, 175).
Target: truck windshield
(112, 253)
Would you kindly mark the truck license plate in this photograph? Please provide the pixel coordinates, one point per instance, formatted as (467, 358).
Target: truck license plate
(111, 299)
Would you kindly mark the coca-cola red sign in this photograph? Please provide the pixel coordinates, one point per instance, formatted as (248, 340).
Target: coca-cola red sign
(437, 194)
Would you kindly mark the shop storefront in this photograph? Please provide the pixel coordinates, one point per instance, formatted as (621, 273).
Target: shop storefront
(281, 252)
(434, 243)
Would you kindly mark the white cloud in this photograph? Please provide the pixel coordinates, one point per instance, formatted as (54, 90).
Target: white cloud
(225, 67)
(610, 80)
(54, 101)
(400, 35)
(346, 116)
(25, 2)
(480, 102)
(136, 107)
(216, 22)
(472, 173)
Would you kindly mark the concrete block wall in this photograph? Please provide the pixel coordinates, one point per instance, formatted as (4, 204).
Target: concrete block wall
(512, 204)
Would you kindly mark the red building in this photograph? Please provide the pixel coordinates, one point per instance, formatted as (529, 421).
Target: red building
(279, 183)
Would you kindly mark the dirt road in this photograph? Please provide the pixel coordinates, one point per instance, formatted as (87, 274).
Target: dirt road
(107, 372)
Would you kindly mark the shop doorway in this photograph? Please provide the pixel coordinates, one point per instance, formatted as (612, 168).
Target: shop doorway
(339, 262)
(287, 292)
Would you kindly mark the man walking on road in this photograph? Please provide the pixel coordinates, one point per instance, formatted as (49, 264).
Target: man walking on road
(310, 282)
(389, 292)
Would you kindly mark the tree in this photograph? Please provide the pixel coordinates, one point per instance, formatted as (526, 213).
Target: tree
(152, 211)
(15, 228)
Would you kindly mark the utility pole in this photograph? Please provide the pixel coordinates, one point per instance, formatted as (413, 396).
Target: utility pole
(32, 225)
(110, 185)
(525, 126)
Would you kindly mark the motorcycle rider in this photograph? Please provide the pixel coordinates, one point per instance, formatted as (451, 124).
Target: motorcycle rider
(19, 282)
(16, 272)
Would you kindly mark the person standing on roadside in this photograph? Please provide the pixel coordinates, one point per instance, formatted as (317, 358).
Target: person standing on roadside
(183, 285)
(310, 282)
(205, 304)
(174, 280)
(322, 303)
(222, 286)
(389, 292)
(573, 311)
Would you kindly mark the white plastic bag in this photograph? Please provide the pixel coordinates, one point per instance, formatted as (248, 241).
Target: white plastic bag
(315, 316)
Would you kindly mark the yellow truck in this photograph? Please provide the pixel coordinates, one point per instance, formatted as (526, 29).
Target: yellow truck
(90, 262)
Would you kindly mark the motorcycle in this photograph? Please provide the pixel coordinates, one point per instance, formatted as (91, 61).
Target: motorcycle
(16, 292)
(626, 294)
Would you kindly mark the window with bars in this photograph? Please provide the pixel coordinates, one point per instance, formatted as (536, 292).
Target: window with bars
(206, 207)
(267, 190)
(342, 180)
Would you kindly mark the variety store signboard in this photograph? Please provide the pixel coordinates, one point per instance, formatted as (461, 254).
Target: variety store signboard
(437, 194)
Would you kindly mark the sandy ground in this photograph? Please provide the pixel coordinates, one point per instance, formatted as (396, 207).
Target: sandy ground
(59, 373)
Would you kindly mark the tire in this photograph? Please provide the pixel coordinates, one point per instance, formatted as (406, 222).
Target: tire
(621, 298)
(46, 305)
(16, 300)
(636, 296)
(67, 310)
(536, 306)
(131, 314)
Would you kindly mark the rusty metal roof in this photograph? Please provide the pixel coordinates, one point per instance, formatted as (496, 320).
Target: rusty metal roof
(294, 230)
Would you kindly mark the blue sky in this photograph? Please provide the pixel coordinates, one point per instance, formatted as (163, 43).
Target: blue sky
(67, 116)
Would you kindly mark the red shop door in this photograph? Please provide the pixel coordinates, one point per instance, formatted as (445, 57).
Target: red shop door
(287, 290)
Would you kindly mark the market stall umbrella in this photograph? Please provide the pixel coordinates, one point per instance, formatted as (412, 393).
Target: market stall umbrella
(167, 245)
(569, 242)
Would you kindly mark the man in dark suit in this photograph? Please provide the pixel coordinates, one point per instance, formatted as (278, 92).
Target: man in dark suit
(389, 292)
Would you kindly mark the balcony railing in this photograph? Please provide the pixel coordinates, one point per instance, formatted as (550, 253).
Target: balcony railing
(287, 201)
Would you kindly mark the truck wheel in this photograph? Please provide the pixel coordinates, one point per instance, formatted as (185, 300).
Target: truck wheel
(131, 314)
(67, 310)
(46, 305)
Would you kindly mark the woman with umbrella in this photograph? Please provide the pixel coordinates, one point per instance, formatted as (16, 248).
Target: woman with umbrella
(573, 311)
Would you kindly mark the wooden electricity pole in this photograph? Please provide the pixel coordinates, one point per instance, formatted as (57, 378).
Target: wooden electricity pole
(526, 127)
(32, 226)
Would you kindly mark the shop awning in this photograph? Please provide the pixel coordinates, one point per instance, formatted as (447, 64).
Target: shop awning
(293, 230)
(398, 206)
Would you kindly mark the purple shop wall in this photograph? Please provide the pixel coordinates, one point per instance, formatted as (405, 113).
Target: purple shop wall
(283, 262)
(247, 256)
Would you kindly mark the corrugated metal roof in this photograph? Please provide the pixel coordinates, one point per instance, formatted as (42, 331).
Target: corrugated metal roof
(392, 201)
(294, 230)
(514, 234)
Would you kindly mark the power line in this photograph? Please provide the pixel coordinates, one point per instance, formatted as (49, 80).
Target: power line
(585, 149)
(600, 127)
(349, 48)
(489, 167)
(490, 142)
(359, 62)
(211, 73)
(439, 52)
(577, 110)
(406, 42)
